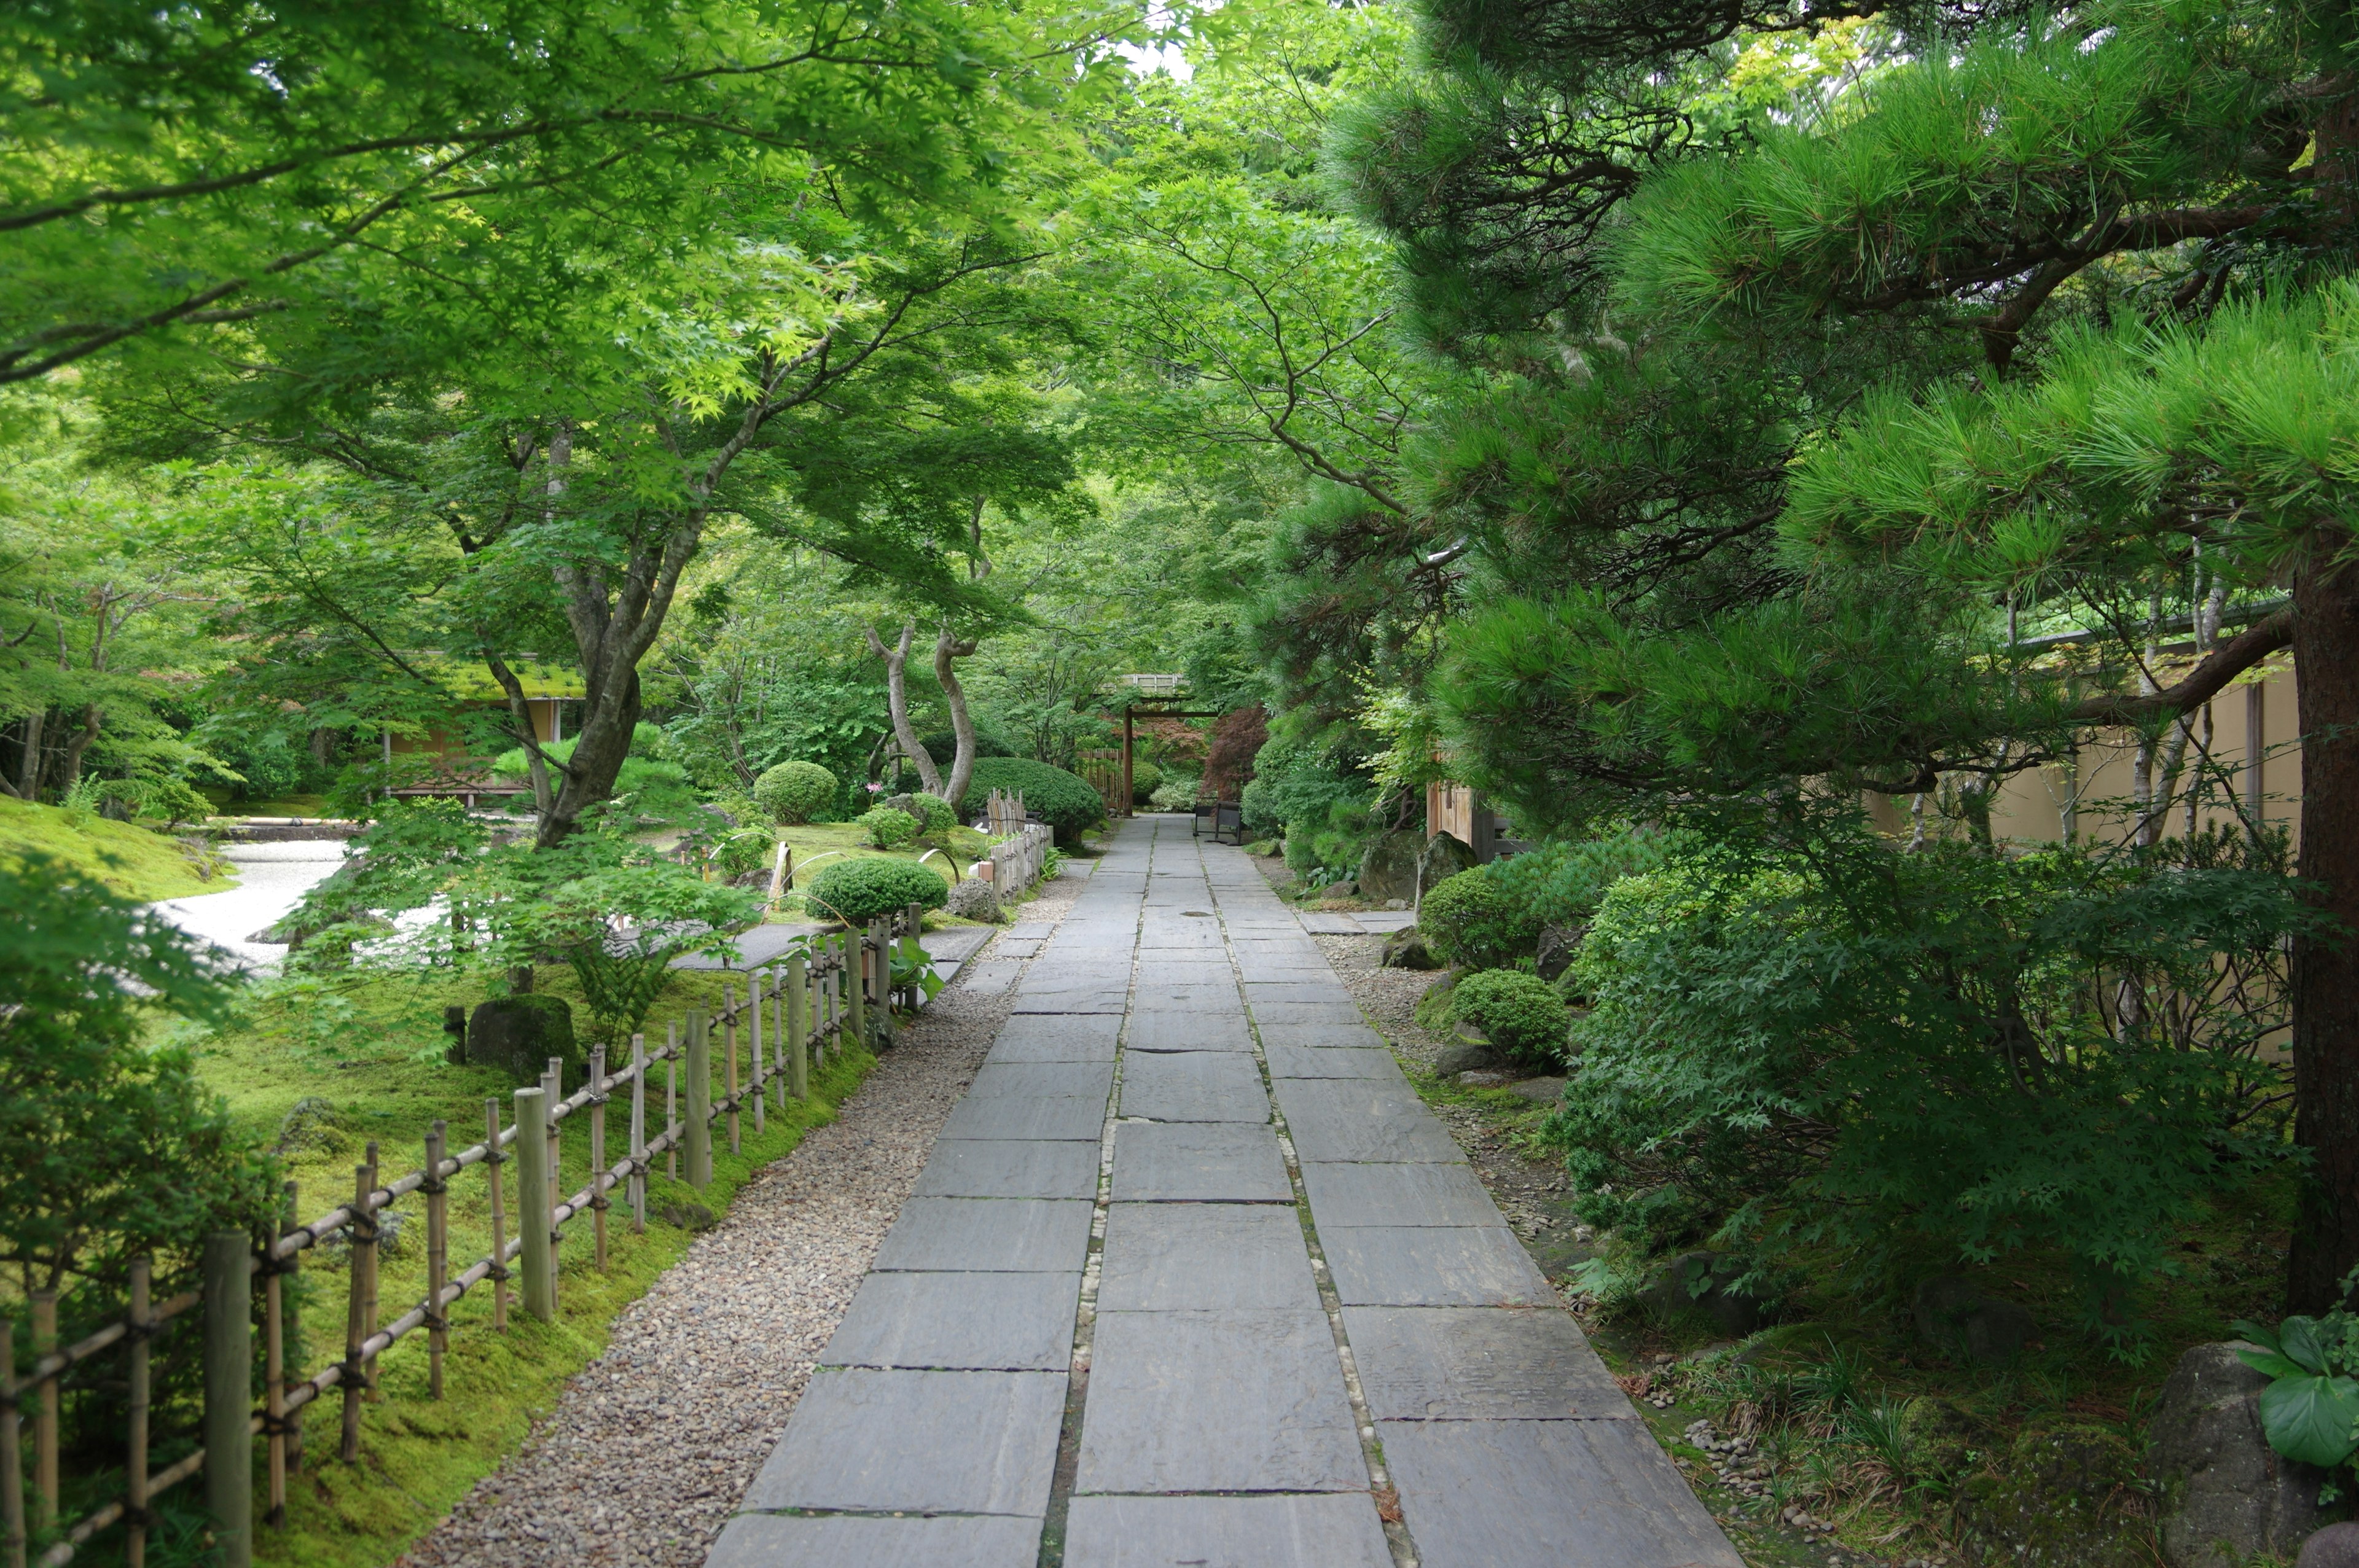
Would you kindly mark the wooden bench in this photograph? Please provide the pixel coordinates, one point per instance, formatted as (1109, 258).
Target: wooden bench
(1229, 817)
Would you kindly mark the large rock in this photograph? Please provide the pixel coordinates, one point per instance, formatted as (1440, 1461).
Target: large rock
(2227, 1495)
(518, 1035)
(2336, 1546)
(1389, 868)
(1443, 856)
(1703, 1281)
(1406, 949)
(973, 899)
(1469, 1054)
(1957, 1315)
(1557, 945)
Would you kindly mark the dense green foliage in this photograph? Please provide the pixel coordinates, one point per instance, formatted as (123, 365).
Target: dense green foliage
(1518, 1012)
(887, 827)
(1145, 778)
(1321, 808)
(857, 892)
(1468, 922)
(1065, 801)
(795, 792)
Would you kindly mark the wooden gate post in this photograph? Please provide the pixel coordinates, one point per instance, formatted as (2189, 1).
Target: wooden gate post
(532, 1203)
(229, 1395)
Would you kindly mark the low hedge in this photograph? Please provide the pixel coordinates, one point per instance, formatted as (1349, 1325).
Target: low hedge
(857, 892)
(1066, 802)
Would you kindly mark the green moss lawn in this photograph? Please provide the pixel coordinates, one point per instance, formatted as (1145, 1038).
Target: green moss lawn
(131, 860)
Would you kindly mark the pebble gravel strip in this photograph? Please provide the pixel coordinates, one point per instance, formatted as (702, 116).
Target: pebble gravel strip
(651, 1445)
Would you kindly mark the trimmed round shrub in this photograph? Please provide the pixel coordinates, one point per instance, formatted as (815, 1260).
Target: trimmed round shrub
(1521, 1014)
(1468, 921)
(1145, 778)
(932, 812)
(1066, 802)
(857, 892)
(795, 792)
(887, 827)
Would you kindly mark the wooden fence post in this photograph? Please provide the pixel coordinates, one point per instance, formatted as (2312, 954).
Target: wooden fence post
(532, 1203)
(552, 1085)
(134, 1470)
(274, 1380)
(492, 1161)
(855, 985)
(729, 1055)
(639, 1135)
(12, 1459)
(697, 1133)
(672, 1100)
(797, 1052)
(229, 1398)
(438, 1257)
(761, 1081)
(363, 1240)
(43, 1311)
(598, 1205)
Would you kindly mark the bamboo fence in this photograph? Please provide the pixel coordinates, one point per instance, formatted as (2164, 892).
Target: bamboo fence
(814, 1003)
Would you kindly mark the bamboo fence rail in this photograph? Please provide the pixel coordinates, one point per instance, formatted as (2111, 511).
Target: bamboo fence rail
(817, 1002)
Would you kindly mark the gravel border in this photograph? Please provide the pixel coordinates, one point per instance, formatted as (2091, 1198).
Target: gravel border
(652, 1444)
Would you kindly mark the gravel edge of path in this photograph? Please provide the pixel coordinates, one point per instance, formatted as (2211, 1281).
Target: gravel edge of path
(651, 1445)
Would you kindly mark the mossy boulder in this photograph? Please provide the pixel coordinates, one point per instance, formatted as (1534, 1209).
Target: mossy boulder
(518, 1035)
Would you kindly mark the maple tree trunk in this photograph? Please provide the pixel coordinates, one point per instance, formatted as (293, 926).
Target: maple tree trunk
(2326, 968)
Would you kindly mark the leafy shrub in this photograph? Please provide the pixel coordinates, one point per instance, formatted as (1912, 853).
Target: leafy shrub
(795, 792)
(1561, 884)
(1520, 1013)
(670, 911)
(857, 892)
(1066, 802)
(930, 812)
(1177, 792)
(2310, 1412)
(1931, 1052)
(887, 827)
(1145, 778)
(1468, 922)
(1321, 808)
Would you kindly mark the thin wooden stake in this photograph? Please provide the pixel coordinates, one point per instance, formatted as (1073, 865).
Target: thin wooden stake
(729, 1060)
(697, 1133)
(598, 1157)
(229, 1395)
(44, 1304)
(290, 1313)
(273, 1386)
(492, 1161)
(369, 1303)
(552, 1089)
(135, 1469)
(760, 1081)
(639, 1135)
(796, 1006)
(438, 1257)
(533, 1203)
(12, 1458)
(364, 1237)
(672, 1100)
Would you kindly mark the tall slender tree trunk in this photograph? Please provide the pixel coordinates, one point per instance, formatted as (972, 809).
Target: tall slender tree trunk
(896, 697)
(948, 650)
(2326, 968)
(78, 746)
(28, 767)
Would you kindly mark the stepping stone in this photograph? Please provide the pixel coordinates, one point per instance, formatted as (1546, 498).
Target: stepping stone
(1541, 1494)
(1322, 1036)
(1010, 1168)
(1197, 1162)
(1168, 1256)
(1332, 1530)
(1011, 1236)
(1395, 1194)
(1478, 1363)
(1226, 1400)
(1311, 1061)
(1307, 1013)
(1350, 1118)
(1193, 1086)
(1432, 1265)
(1003, 1322)
(1195, 1031)
(1043, 1080)
(1324, 924)
(981, 1442)
(1066, 1117)
(1323, 991)
(852, 1541)
(958, 941)
(991, 976)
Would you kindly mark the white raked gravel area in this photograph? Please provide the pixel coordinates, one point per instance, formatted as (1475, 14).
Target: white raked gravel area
(651, 1447)
(271, 880)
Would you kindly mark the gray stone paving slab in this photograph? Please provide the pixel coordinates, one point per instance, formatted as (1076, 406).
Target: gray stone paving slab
(1009, 1168)
(1072, 1002)
(1307, 1013)
(1172, 1256)
(1081, 1026)
(1395, 1194)
(1480, 1364)
(1070, 1117)
(957, 942)
(1332, 1530)
(1433, 1265)
(936, 1442)
(1022, 1236)
(1003, 1323)
(1227, 1400)
(1204, 1030)
(1042, 1080)
(1322, 1036)
(1193, 1086)
(852, 1541)
(992, 976)
(1197, 1162)
(1323, 992)
(1547, 1494)
(1163, 996)
(1312, 1062)
(1359, 1118)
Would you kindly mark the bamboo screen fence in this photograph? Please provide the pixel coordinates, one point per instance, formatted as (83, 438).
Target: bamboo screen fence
(815, 1004)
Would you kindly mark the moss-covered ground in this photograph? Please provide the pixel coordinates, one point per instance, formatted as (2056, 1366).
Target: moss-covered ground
(130, 859)
(372, 1052)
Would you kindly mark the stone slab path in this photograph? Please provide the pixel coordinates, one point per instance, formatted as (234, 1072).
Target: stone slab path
(1192, 1277)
